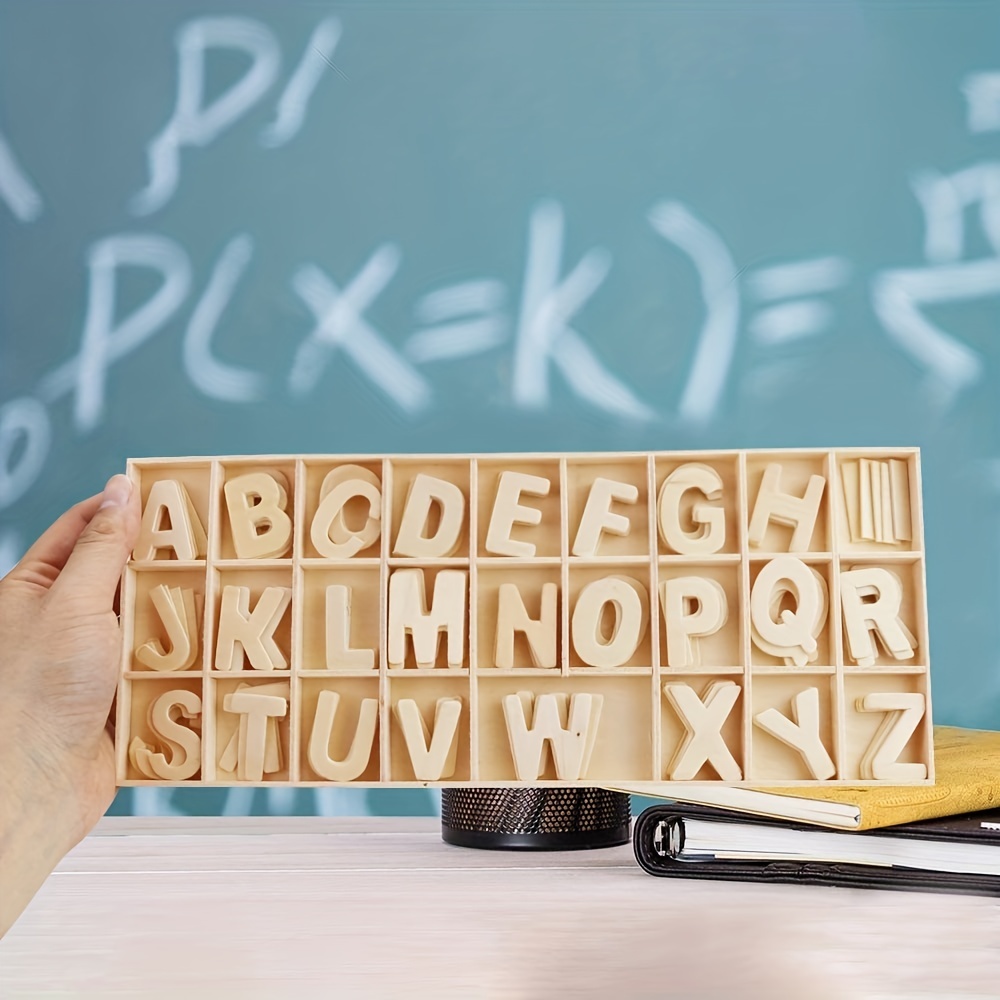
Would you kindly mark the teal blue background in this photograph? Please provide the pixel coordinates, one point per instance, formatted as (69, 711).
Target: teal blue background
(791, 130)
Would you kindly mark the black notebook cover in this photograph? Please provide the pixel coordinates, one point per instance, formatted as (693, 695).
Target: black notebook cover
(952, 828)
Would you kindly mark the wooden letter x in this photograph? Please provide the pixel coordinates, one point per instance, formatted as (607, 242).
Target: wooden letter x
(703, 720)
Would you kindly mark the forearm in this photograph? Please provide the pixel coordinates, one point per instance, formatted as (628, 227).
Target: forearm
(35, 833)
(60, 641)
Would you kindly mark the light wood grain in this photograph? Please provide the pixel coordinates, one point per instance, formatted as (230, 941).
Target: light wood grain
(328, 570)
(383, 908)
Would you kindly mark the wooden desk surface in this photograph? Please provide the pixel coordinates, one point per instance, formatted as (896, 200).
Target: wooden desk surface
(292, 908)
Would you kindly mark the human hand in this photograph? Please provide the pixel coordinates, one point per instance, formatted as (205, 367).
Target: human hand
(59, 657)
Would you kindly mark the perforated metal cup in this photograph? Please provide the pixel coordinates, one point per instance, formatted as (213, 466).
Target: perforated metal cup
(535, 819)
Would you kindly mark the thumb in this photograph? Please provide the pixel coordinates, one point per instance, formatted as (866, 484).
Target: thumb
(90, 576)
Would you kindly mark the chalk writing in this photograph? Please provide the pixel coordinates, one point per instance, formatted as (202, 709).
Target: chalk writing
(538, 334)
(535, 324)
(458, 321)
(340, 324)
(213, 377)
(25, 438)
(16, 188)
(544, 335)
(294, 102)
(982, 93)
(802, 317)
(713, 357)
(901, 297)
(197, 124)
(106, 340)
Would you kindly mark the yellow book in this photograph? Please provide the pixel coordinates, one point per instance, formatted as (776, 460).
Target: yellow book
(967, 779)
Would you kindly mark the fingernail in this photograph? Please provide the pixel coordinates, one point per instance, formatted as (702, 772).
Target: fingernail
(117, 492)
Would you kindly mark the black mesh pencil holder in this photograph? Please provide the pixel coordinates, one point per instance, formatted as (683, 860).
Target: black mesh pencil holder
(535, 819)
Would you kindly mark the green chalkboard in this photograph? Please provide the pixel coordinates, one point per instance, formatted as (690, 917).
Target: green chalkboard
(388, 227)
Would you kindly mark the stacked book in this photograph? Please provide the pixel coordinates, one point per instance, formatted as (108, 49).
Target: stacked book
(944, 836)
